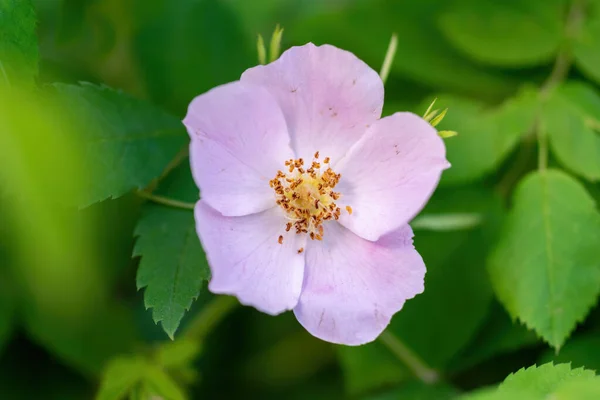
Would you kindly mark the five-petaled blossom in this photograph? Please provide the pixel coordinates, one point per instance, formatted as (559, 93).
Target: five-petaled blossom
(306, 193)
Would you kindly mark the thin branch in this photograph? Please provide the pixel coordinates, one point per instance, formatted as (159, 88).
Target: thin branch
(166, 201)
(417, 366)
(389, 58)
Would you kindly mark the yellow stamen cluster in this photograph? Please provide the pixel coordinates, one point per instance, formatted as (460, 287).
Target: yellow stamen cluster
(307, 196)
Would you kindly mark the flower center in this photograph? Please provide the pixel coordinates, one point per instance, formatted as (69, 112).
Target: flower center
(307, 196)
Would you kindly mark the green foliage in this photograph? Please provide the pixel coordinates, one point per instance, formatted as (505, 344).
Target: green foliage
(173, 266)
(583, 351)
(498, 335)
(126, 142)
(491, 133)
(506, 71)
(545, 269)
(137, 377)
(455, 280)
(543, 382)
(417, 391)
(7, 313)
(187, 47)
(18, 44)
(422, 54)
(586, 44)
(479, 28)
(571, 118)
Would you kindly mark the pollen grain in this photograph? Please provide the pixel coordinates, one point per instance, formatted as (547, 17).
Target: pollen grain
(306, 195)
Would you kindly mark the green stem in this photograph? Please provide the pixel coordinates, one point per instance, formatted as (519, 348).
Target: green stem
(166, 201)
(389, 58)
(560, 71)
(206, 320)
(417, 366)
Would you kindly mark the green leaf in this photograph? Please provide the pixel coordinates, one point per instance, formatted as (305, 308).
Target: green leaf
(120, 377)
(571, 118)
(178, 353)
(545, 379)
(582, 351)
(173, 266)
(545, 269)
(187, 47)
(127, 142)
(446, 222)
(579, 389)
(586, 44)
(133, 375)
(485, 136)
(18, 43)
(455, 280)
(422, 54)
(499, 335)
(58, 266)
(158, 382)
(510, 33)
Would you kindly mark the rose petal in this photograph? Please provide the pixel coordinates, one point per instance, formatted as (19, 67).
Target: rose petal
(247, 261)
(352, 286)
(388, 176)
(327, 95)
(239, 141)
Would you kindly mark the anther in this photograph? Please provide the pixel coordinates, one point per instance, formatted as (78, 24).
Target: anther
(280, 240)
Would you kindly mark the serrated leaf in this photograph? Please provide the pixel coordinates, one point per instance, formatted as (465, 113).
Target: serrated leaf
(127, 142)
(422, 54)
(545, 269)
(581, 351)
(18, 43)
(485, 136)
(509, 33)
(173, 265)
(586, 45)
(543, 380)
(58, 269)
(455, 280)
(571, 118)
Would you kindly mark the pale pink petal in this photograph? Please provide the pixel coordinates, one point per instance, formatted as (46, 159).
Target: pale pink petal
(238, 142)
(247, 261)
(327, 95)
(389, 175)
(352, 286)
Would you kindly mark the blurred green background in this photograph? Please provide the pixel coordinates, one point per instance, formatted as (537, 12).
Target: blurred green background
(68, 297)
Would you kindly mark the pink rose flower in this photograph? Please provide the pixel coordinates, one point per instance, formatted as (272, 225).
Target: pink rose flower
(307, 193)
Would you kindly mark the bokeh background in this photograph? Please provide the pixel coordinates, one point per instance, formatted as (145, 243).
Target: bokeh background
(68, 297)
